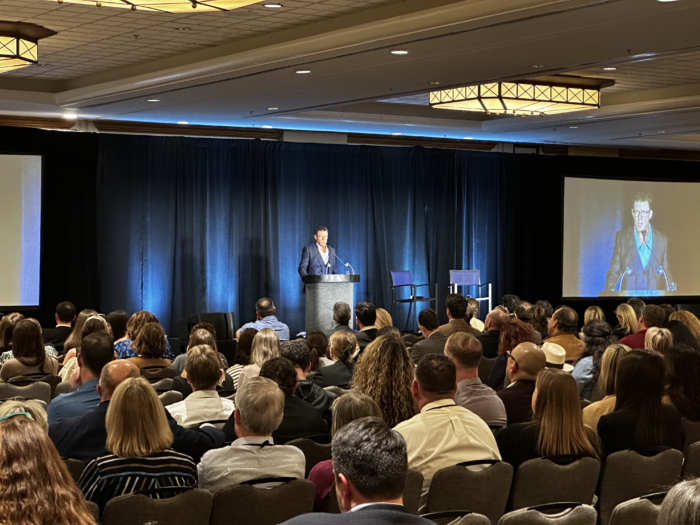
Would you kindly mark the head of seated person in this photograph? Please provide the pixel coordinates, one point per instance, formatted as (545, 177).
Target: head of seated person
(282, 372)
(259, 408)
(7, 327)
(112, 375)
(436, 379)
(383, 318)
(526, 361)
(365, 315)
(150, 344)
(266, 346)
(390, 331)
(465, 351)
(117, 321)
(298, 353)
(203, 368)
(342, 345)
(341, 314)
(351, 406)
(97, 349)
(681, 506)
(317, 342)
(658, 339)
(457, 306)
(34, 408)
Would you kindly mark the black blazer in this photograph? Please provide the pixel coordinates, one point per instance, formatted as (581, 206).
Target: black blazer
(56, 335)
(341, 328)
(435, 344)
(338, 374)
(517, 399)
(364, 338)
(625, 255)
(617, 430)
(489, 343)
(378, 514)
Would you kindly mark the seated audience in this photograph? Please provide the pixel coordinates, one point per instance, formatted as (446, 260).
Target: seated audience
(597, 337)
(539, 320)
(652, 315)
(464, 350)
(391, 331)
(463, 436)
(242, 359)
(203, 369)
(593, 313)
(689, 320)
(208, 328)
(347, 408)
(342, 346)
(523, 312)
(640, 419)
(365, 318)
(682, 335)
(668, 310)
(681, 506)
(491, 337)
(457, 307)
(606, 385)
(265, 318)
(383, 318)
(7, 326)
(29, 353)
(64, 316)
(556, 428)
(259, 411)
(387, 377)
(318, 346)
(118, 320)
(266, 346)
(139, 438)
(509, 302)
(35, 409)
(562, 329)
(473, 307)
(370, 466)
(36, 487)
(341, 318)
(524, 363)
(70, 371)
(555, 357)
(658, 339)
(637, 305)
(628, 322)
(434, 340)
(150, 347)
(96, 351)
(682, 385)
(49, 349)
(127, 347)
(73, 340)
(513, 332)
(547, 307)
(198, 337)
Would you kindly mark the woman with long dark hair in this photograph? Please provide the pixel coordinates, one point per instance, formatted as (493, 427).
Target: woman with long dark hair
(242, 358)
(682, 335)
(513, 332)
(29, 353)
(682, 385)
(318, 345)
(598, 335)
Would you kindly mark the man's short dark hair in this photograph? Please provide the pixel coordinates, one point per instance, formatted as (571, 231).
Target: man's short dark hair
(371, 456)
(428, 319)
(265, 307)
(65, 312)
(282, 372)
(457, 305)
(436, 374)
(637, 305)
(653, 315)
(320, 229)
(567, 320)
(366, 313)
(205, 326)
(341, 313)
(297, 352)
(523, 311)
(547, 306)
(96, 350)
(510, 301)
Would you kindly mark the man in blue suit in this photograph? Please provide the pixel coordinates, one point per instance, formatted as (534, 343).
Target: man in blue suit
(318, 258)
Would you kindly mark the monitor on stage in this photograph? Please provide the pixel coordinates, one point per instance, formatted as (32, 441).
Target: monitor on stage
(20, 230)
(630, 238)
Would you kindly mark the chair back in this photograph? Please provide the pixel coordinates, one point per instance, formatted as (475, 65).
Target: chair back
(485, 367)
(411, 494)
(691, 467)
(556, 514)
(465, 277)
(546, 480)
(75, 467)
(629, 474)
(153, 374)
(163, 385)
(313, 452)
(170, 397)
(692, 432)
(51, 379)
(401, 278)
(248, 505)
(94, 510)
(34, 390)
(457, 517)
(482, 491)
(638, 511)
(192, 507)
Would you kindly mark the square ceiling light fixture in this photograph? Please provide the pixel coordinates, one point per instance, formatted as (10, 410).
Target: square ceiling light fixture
(168, 6)
(547, 95)
(19, 44)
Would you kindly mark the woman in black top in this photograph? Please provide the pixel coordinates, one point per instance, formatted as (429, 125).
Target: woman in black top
(682, 386)
(640, 419)
(340, 373)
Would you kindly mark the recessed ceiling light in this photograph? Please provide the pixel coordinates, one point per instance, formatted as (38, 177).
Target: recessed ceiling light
(267, 127)
(183, 29)
(573, 127)
(153, 100)
(70, 116)
(303, 71)
(538, 66)
(468, 138)
(272, 109)
(662, 132)
(435, 83)
(182, 122)
(609, 69)
(272, 6)
(664, 1)
(397, 134)
(399, 52)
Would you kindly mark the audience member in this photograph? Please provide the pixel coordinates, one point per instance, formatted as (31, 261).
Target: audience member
(73, 340)
(242, 359)
(473, 307)
(682, 335)
(491, 338)
(266, 346)
(464, 350)
(150, 347)
(597, 337)
(64, 316)
(127, 347)
(370, 466)
(390, 331)
(682, 385)
(139, 438)
(265, 318)
(96, 351)
(606, 385)
(36, 487)
(555, 357)
(118, 320)
(435, 339)
(342, 346)
(35, 409)
(341, 317)
(351, 406)
(562, 329)
(637, 305)
(628, 322)
(652, 315)
(523, 312)
(689, 320)
(457, 307)
(201, 334)
(593, 313)
(668, 311)
(365, 317)
(29, 353)
(524, 363)
(7, 355)
(383, 318)
(556, 428)
(513, 332)
(509, 302)
(658, 339)
(547, 307)
(198, 337)
(259, 411)
(69, 371)
(640, 419)
(539, 320)
(318, 346)
(681, 506)
(463, 436)
(203, 369)
(386, 376)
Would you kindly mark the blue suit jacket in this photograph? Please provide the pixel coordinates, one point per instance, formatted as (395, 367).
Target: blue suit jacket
(312, 263)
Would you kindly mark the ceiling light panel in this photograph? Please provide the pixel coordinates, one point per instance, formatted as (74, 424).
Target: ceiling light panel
(168, 6)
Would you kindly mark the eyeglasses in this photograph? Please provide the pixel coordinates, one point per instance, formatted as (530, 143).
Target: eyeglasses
(510, 356)
(638, 213)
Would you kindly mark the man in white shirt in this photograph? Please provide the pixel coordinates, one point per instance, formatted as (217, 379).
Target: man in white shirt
(203, 370)
(254, 455)
(443, 434)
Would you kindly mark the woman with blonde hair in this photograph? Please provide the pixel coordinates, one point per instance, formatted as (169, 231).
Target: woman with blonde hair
(383, 319)
(266, 346)
(556, 427)
(606, 384)
(658, 339)
(627, 319)
(34, 408)
(385, 373)
(342, 346)
(139, 437)
(689, 320)
(35, 485)
(593, 312)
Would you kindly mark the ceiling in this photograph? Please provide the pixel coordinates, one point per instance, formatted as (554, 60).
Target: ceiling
(239, 68)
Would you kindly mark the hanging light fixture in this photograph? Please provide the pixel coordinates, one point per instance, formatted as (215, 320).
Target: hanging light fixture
(548, 95)
(168, 6)
(19, 44)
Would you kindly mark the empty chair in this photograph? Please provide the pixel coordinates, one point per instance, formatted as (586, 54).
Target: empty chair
(313, 452)
(75, 467)
(163, 385)
(192, 507)
(559, 478)
(168, 398)
(461, 488)
(249, 505)
(411, 494)
(94, 509)
(629, 474)
(34, 390)
(638, 511)
(403, 279)
(691, 467)
(457, 517)
(552, 514)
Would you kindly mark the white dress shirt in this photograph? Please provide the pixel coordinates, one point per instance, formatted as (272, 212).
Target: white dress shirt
(325, 255)
(203, 405)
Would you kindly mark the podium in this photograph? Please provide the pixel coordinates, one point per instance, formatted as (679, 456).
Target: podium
(633, 293)
(322, 292)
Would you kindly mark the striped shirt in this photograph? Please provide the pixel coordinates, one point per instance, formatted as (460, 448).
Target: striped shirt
(110, 476)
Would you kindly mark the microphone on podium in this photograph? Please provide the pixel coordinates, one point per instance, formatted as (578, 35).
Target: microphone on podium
(344, 263)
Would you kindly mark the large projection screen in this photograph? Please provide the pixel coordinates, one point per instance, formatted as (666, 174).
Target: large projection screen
(630, 238)
(20, 229)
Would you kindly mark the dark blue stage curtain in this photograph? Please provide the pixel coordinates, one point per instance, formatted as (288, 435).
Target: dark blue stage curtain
(194, 225)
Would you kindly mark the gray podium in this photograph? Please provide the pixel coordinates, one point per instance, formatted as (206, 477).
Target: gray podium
(322, 292)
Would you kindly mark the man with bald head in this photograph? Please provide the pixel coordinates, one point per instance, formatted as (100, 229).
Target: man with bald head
(492, 332)
(524, 363)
